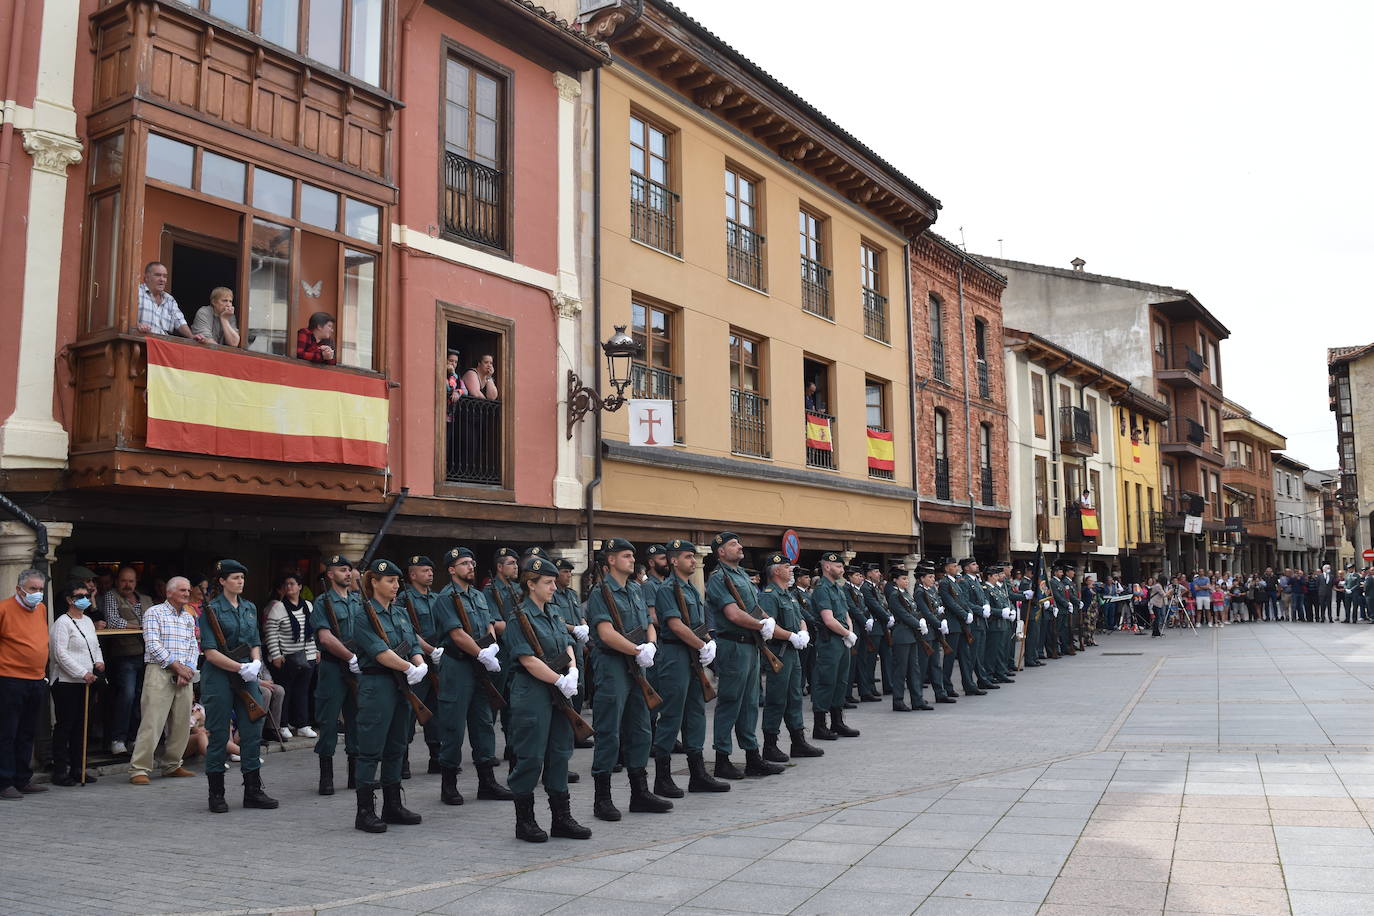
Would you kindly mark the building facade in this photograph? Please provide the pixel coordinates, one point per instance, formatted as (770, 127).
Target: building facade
(1139, 422)
(1249, 482)
(1297, 515)
(1324, 492)
(1351, 372)
(755, 250)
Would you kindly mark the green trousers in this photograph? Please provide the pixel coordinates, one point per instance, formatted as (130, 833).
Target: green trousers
(684, 708)
(737, 696)
(332, 698)
(782, 698)
(541, 737)
(908, 672)
(383, 721)
(619, 715)
(830, 679)
(217, 695)
(463, 708)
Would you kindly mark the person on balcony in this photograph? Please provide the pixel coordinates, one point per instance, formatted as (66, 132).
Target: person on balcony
(215, 322)
(480, 380)
(158, 312)
(315, 342)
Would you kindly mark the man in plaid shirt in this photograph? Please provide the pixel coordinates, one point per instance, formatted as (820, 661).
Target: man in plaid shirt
(158, 312)
(171, 649)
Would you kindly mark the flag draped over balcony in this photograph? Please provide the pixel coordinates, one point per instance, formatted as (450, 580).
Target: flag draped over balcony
(1135, 451)
(224, 402)
(818, 432)
(1090, 528)
(880, 453)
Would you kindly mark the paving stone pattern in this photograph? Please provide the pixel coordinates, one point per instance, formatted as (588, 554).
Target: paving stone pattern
(1228, 772)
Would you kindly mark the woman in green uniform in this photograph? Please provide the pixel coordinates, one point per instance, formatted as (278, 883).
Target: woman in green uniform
(387, 652)
(233, 656)
(541, 737)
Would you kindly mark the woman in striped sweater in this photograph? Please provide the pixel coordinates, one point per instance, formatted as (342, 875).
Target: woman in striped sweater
(292, 654)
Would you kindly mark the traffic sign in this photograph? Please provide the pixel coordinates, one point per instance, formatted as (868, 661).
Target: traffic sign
(791, 546)
(1368, 555)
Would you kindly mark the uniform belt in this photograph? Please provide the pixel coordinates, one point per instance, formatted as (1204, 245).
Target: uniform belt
(377, 672)
(736, 637)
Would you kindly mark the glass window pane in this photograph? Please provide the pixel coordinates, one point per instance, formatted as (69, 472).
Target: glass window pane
(486, 95)
(484, 150)
(108, 159)
(658, 143)
(272, 192)
(660, 323)
(359, 307)
(319, 207)
(637, 316)
(658, 171)
(661, 357)
(222, 177)
(361, 220)
(234, 11)
(326, 32)
(269, 288)
(279, 22)
(104, 234)
(365, 45)
(170, 161)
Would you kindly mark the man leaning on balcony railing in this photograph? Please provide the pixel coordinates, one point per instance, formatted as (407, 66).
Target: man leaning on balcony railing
(158, 312)
(315, 342)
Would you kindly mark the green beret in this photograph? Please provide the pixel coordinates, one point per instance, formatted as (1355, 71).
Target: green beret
(831, 557)
(564, 564)
(616, 545)
(870, 567)
(925, 569)
(539, 566)
(504, 552)
(799, 571)
(897, 572)
(535, 551)
(950, 561)
(723, 538)
(776, 559)
(382, 567)
(229, 567)
(655, 550)
(967, 561)
(678, 545)
(422, 560)
(338, 560)
(458, 553)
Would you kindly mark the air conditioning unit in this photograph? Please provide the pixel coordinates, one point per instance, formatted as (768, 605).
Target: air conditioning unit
(1057, 528)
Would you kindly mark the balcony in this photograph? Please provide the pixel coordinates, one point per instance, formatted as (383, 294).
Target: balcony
(989, 492)
(743, 255)
(984, 387)
(472, 447)
(1185, 435)
(749, 424)
(654, 214)
(474, 201)
(1181, 364)
(661, 385)
(1350, 486)
(1076, 436)
(1155, 535)
(942, 489)
(815, 283)
(880, 473)
(817, 456)
(875, 315)
(937, 360)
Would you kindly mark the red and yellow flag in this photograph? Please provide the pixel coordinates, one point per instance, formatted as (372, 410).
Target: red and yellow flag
(818, 432)
(1135, 451)
(224, 402)
(880, 450)
(1090, 528)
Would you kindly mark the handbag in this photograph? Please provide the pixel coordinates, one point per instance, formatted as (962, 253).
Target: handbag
(100, 680)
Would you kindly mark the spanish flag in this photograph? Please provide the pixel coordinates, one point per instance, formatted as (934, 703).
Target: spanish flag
(818, 432)
(213, 401)
(1135, 451)
(1090, 529)
(880, 452)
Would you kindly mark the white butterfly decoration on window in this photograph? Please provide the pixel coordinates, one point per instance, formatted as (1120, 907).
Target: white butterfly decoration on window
(312, 291)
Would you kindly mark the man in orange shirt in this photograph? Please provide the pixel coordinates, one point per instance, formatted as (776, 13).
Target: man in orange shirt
(23, 658)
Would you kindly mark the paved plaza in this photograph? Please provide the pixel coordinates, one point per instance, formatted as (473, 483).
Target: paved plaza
(1228, 772)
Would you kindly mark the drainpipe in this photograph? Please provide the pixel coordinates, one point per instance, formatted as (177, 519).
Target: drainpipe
(590, 493)
(968, 408)
(912, 393)
(403, 277)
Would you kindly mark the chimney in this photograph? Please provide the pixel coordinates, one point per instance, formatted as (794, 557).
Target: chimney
(1078, 264)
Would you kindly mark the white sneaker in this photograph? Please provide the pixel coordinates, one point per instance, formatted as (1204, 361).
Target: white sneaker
(234, 758)
(118, 747)
(285, 733)
(306, 732)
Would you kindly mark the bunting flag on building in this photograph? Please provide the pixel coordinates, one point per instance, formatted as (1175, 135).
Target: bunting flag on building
(1135, 450)
(818, 432)
(1090, 528)
(880, 453)
(213, 401)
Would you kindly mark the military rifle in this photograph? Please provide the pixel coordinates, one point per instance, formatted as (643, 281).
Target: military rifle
(402, 649)
(638, 636)
(241, 654)
(494, 697)
(708, 692)
(774, 663)
(349, 680)
(922, 641)
(581, 730)
(430, 674)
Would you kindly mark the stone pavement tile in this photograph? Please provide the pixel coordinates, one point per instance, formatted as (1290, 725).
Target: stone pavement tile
(1019, 888)
(921, 857)
(1171, 799)
(782, 871)
(1141, 848)
(1069, 909)
(1226, 901)
(1020, 842)
(1226, 833)
(826, 853)
(1236, 874)
(914, 804)
(870, 818)
(1221, 788)
(1013, 863)
(1328, 878)
(688, 865)
(966, 791)
(848, 902)
(911, 836)
(1147, 870)
(743, 897)
(735, 847)
(1060, 797)
(500, 900)
(563, 879)
(1312, 803)
(623, 862)
(1330, 903)
(600, 906)
(1225, 801)
(1158, 814)
(1258, 853)
(1337, 792)
(848, 833)
(995, 807)
(1052, 826)
(1046, 809)
(1107, 892)
(1131, 829)
(1326, 836)
(1196, 815)
(1306, 854)
(666, 889)
(785, 830)
(954, 906)
(962, 822)
(419, 901)
(910, 881)
(353, 909)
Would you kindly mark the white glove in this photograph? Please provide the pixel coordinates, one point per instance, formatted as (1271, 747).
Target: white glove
(944, 628)
(923, 626)
(415, 674)
(487, 658)
(892, 621)
(249, 671)
(868, 625)
(769, 625)
(567, 683)
(850, 639)
(645, 656)
(987, 612)
(1028, 593)
(799, 641)
(353, 665)
(1056, 612)
(581, 633)
(437, 654)
(1008, 614)
(707, 653)
(968, 618)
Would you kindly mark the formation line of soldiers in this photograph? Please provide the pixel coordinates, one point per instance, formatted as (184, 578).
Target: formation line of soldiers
(397, 652)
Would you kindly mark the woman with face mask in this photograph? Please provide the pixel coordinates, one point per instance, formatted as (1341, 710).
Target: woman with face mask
(77, 663)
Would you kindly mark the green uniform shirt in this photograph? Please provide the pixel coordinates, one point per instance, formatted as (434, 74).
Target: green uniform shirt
(549, 628)
(830, 596)
(446, 615)
(566, 606)
(874, 603)
(650, 588)
(908, 628)
(666, 606)
(425, 607)
(929, 604)
(956, 605)
(396, 624)
(346, 610)
(718, 596)
(975, 597)
(629, 603)
(502, 598)
(782, 606)
(999, 599)
(240, 626)
(807, 611)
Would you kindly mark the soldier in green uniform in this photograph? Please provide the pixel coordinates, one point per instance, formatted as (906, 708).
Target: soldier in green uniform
(333, 617)
(909, 665)
(419, 601)
(877, 663)
(681, 615)
(959, 615)
(932, 612)
(503, 594)
(231, 670)
(830, 603)
(1004, 619)
(783, 696)
(863, 623)
(656, 572)
(801, 590)
(1063, 610)
(734, 602)
(976, 602)
(620, 713)
(569, 607)
(542, 647)
(463, 705)
(1023, 590)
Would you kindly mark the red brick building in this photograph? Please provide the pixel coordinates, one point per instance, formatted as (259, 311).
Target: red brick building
(961, 404)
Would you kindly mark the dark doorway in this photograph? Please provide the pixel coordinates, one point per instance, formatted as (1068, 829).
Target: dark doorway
(197, 269)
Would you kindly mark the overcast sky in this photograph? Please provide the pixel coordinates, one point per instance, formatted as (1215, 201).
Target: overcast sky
(1224, 148)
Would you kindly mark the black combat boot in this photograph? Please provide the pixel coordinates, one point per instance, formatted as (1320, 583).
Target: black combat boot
(583, 743)
(434, 766)
(393, 812)
(560, 804)
(725, 769)
(678, 748)
(663, 778)
(946, 699)
(799, 746)
(820, 731)
(771, 751)
(487, 786)
(702, 781)
(405, 765)
(366, 819)
(641, 799)
(838, 726)
(448, 787)
(526, 827)
(253, 795)
(326, 775)
(755, 765)
(352, 772)
(602, 805)
(900, 706)
(217, 803)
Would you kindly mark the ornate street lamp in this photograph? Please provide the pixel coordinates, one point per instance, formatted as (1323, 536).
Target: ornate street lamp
(621, 350)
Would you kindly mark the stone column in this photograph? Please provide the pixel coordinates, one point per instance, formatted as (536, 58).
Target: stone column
(567, 488)
(577, 555)
(699, 577)
(17, 543)
(961, 541)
